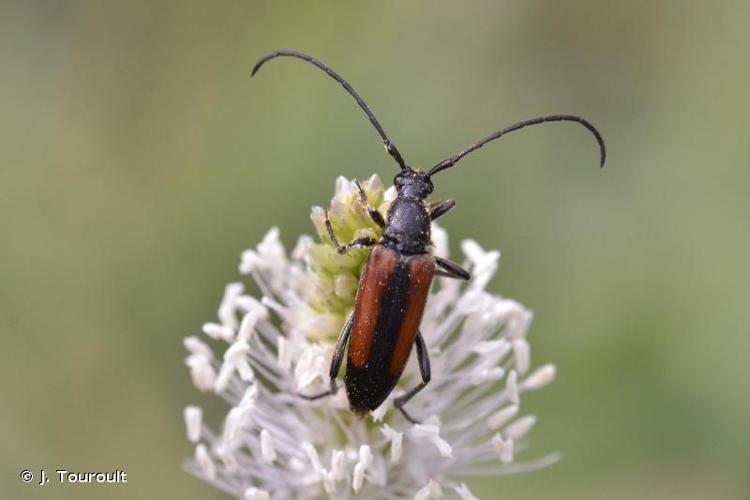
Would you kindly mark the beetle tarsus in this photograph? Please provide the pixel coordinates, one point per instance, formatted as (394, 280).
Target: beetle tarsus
(342, 249)
(315, 396)
(338, 357)
(373, 212)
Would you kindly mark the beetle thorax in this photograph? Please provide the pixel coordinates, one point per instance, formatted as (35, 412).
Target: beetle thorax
(408, 228)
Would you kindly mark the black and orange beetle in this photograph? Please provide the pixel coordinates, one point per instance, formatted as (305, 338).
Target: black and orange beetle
(396, 278)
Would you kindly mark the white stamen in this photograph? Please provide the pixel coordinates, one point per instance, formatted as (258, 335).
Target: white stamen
(380, 411)
(483, 375)
(233, 424)
(396, 438)
(365, 459)
(503, 448)
(236, 355)
(431, 432)
(338, 465)
(498, 348)
(234, 359)
(197, 347)
(218, 332)
(248, 398)
(312, 454)
(193, 422)
(227, 313)
(227, 457)
(201, 372)
(440, 241)
(539, 378)
(284, 354)
(302, 247)
(256, 494)
(311, 365)
(247, 326)
(390, 194)
(431, 490)
(204, 461)
(249, 261)
(520, 427)
(502, 417)
(267, 451)
(511, 387)
(522, 352)
(464, 492)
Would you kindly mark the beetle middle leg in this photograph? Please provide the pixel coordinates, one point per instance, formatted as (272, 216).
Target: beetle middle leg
(451, 270)
(338, 357)
(342, 249)
(440, 208)
(424, 369)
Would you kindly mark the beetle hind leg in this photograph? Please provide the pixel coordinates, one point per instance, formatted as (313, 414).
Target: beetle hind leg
(424, 369)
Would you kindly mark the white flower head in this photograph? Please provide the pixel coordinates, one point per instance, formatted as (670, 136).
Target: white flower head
(269, 350)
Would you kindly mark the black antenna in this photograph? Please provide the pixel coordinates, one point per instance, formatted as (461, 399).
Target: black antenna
(533, 121)
(389, 146)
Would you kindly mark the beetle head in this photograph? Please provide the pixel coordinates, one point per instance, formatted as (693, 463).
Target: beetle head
(412, 183)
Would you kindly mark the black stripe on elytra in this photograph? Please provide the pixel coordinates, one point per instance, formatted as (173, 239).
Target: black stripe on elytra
(368, 387)
(393, 308)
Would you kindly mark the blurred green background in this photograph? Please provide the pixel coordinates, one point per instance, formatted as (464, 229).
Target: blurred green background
(139, 159)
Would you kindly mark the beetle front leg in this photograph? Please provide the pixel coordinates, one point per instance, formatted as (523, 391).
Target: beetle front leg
(342, 249)
(451, 270)
(376, 216)
(424, 369)
(338, 357)
(440, 208)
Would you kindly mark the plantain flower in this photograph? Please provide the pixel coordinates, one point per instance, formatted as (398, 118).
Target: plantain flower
(262, 352)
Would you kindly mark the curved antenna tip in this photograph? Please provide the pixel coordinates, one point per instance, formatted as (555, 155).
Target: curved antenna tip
(448, 163)
(602, 147)
(389, 146)
(260, 63)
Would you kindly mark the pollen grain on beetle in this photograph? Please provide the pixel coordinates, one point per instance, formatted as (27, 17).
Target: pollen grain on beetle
(261, 353)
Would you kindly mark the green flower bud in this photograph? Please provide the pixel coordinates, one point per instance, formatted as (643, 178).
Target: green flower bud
(336, 276)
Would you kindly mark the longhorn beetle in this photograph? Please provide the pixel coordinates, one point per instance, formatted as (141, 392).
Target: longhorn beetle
(396, 278)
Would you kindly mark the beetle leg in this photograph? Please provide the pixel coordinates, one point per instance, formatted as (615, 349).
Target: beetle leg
(376, 216)
(440, 208)
(329, 228)
(424, 368)
(358, 243)
(342, 249)
(338, 357)
(451, 269)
